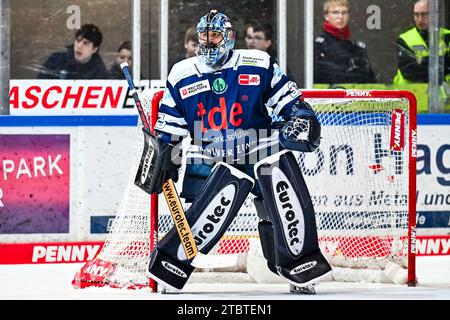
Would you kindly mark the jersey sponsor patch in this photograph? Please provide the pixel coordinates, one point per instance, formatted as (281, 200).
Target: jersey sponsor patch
(249, 80)
(252, 61)
(195, 88)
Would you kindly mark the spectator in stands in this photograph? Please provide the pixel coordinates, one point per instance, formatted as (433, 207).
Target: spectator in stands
(190, 45)
(259, 36)
(125, 54)
(413, 50)
(82, 59)
(336, 58)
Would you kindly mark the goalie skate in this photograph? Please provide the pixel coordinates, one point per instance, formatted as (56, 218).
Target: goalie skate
(303, 290)
(306, 272)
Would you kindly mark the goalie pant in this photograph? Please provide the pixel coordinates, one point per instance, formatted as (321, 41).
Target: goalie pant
(289, 239)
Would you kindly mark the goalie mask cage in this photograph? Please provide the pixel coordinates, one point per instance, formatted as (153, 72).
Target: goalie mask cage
(362, 181)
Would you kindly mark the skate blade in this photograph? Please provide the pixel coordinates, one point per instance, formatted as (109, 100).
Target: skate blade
(310, 290)
(314, 282)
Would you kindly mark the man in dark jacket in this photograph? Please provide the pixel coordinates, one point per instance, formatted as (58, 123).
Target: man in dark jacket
(336, 58)
(81, 60)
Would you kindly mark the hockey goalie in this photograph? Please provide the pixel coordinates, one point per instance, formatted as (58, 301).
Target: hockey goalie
(244, 117)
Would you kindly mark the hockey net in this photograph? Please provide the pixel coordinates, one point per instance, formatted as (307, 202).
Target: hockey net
(362, 181)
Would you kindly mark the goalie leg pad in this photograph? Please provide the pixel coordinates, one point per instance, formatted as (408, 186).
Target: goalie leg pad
(265, 230)
(209, 217)
(288, 203)
(168, 271)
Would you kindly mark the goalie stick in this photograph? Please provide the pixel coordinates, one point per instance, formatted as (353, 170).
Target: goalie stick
(169, 190)
(199, 260)
(171, 195)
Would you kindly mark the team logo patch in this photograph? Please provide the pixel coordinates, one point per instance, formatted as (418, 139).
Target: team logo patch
(220, 86)
(194, 89)
(249, 80)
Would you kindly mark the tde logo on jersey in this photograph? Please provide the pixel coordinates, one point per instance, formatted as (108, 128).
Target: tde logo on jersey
(219, 118)
(249, 80)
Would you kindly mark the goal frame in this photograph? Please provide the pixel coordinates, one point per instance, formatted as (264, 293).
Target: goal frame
(412, 154)
(89, 277)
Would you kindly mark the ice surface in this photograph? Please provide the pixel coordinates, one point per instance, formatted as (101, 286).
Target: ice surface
(53, 282)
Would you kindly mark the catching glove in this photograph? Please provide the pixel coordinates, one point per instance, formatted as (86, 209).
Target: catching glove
(301, 132)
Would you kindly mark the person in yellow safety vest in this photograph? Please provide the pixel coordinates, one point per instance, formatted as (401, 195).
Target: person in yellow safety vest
(413, 51)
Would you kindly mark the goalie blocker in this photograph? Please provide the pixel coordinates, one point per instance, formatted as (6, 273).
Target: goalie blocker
(297, 256)
(209, 217)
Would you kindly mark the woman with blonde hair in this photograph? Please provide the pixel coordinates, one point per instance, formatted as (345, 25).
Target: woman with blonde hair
(336, 58)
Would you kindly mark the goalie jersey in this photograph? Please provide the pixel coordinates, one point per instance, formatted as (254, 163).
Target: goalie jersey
(227, 111)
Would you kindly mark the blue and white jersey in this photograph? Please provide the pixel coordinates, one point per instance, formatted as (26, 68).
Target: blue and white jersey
(222, 110)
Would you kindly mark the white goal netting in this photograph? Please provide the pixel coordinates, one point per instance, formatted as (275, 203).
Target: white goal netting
(361, 180)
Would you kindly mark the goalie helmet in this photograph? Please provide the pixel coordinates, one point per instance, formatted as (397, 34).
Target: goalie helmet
(216, 37)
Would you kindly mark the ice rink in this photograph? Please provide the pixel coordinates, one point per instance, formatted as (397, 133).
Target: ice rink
(53, 282)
